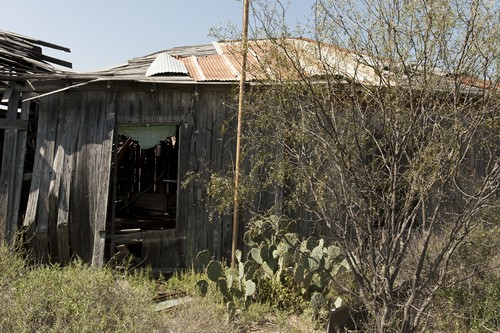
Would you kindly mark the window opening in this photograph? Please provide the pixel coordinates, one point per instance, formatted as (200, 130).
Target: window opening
(144, 183)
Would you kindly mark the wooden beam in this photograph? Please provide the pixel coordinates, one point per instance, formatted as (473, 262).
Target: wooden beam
(56, 61)
(7, 93)
(14, 124)
(22, 137)
(36, 41)
(8, 173)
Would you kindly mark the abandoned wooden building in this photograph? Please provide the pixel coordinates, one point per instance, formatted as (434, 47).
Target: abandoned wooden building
(109, 152)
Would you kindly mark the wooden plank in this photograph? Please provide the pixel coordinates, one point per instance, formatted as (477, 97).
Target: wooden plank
(19, 124)
(216, 164)
(55, 186)
(7, 174)
(37, 41)
(78, 201)
(185, 194)
(67, 142)
(165, 100)
(203, 110)
(114, 175)
(53, 197)
(228, 158)
(62, 225)
(152, 107)
(55, 60)
(45, 154)
(19, 167)
(103, 164)
(83, 209)
(188, 107)
(29, 222)
(7, 93)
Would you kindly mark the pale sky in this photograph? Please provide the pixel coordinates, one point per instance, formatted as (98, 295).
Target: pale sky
(105, 33)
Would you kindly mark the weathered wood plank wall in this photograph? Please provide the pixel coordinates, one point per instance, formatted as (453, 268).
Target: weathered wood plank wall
(69, 191)
(68, 200)
(67, 208)
(200, 113)
(11, 175)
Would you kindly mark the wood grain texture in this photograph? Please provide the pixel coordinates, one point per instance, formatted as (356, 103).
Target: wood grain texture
(10, 159)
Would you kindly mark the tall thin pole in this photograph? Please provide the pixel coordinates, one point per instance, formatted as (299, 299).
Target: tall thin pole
(244, 51)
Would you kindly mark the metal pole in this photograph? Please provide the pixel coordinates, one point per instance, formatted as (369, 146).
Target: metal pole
(244, 51)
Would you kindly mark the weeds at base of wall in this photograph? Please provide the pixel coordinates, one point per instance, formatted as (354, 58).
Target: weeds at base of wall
(74, 298)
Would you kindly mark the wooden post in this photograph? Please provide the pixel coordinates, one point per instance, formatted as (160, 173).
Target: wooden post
(244, 51)
(12, 164)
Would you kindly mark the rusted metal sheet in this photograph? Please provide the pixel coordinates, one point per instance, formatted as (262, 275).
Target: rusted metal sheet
(288, 59)
(213, 68)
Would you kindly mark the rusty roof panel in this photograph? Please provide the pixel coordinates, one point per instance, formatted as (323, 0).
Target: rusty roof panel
(192, 68)
(215, 68)
(285, 59)
(166, 64)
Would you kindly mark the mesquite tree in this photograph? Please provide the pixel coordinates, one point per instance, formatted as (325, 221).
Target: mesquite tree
(391, 145)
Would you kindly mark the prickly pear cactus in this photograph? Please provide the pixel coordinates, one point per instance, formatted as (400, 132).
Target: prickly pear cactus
(315, 257)
(255, 255)
(298, 274)
(202, 287)
(237, 254)
(249, 270)
(249, 288)
(223, 288)
(214, 270)
(231, 276)
(278, 258)
(202, 259)
(248, 239)
(318, 301)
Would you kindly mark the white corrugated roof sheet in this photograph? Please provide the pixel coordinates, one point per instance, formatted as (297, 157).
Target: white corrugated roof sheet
(166, 64)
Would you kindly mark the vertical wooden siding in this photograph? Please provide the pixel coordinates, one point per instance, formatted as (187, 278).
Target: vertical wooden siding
(11, 175)
(69, 190)
(68, 200)
(200, 114)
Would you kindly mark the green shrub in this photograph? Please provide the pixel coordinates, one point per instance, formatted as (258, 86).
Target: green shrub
(74, 298)
(471, 301)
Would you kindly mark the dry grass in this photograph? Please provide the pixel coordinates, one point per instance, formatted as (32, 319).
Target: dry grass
(78, 298)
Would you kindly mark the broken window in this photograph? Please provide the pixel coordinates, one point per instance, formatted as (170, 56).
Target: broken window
(145, 178)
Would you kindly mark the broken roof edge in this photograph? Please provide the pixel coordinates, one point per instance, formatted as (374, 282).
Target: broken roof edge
(36, 41)
(22, 55)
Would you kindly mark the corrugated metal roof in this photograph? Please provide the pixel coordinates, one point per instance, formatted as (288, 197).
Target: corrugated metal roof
(166, 64)
(214, 68)
(288, 59)
(194, 68)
